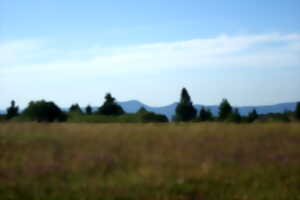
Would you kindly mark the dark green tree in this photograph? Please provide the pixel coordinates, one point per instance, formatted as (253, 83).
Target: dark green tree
(225, 110)
(110, 107)
(209, 115)
(44, 111)
(252, 116)
(153, 117)
(297, 111)
(88, 110)
(205, 114)
(235, 116)
(185, 110)
(75, 108)
(12, 111)
(147, 116)
(142, 110)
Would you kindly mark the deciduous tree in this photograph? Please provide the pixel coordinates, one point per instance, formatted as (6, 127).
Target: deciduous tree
(110, 107)
(44, 111)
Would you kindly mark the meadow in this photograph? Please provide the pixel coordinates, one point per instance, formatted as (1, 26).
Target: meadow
(184, 161)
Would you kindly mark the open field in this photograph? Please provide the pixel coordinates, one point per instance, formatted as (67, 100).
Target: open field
(150, 161)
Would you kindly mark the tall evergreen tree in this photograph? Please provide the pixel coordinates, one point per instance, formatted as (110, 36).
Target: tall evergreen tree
(297, 111)
(88, 110)
(225, 110)
(185, 110)
(110, 107)
(12, 111)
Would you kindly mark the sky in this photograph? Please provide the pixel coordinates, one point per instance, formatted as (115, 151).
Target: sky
(76, 51)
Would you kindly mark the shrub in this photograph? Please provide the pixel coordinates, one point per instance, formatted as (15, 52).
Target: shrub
(153, 117)
(205, 115)
(12, 111)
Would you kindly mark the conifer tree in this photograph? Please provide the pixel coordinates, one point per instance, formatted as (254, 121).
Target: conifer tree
(88, 110)
(185, 110)
(225, 110)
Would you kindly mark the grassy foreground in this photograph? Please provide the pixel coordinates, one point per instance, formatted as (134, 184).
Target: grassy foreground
(149, 161)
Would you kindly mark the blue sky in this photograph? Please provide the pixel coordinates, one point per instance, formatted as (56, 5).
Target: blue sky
(76, 51)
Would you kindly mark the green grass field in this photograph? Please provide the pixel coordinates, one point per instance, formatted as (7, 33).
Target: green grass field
(149, 161)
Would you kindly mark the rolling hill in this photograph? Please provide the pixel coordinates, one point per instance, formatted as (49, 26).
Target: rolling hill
(169, 110)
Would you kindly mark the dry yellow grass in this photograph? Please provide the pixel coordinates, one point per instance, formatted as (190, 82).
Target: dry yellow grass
(149, 161)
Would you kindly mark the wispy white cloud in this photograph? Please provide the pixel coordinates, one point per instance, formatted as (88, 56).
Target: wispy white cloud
(34, 57)
(13, 52)
(34, 69)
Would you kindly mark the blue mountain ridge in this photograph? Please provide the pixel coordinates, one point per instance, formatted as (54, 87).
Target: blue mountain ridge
(169, 110)
(133, 106)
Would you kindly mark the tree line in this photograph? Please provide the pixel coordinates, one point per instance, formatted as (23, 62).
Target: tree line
(185, 111)
(111, 111)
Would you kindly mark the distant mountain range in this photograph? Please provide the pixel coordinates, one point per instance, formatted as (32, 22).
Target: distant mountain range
(169, 110)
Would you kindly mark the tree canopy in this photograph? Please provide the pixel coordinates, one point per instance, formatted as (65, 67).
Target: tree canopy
(44, 111)
(111, 111)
